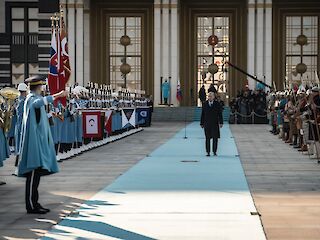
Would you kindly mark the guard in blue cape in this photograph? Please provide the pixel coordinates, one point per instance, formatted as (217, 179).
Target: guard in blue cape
(22, 87)
(37, 152)
(165, 91)
(4, 146)
(79, 127)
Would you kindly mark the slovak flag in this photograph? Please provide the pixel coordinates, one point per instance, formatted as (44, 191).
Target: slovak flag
(53, 78)
(179, 92)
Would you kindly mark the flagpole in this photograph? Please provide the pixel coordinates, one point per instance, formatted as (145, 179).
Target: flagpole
(185, 124)
(58, 46)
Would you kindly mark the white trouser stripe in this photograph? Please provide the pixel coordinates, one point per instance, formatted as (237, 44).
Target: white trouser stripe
(45, 100)
(30, 195)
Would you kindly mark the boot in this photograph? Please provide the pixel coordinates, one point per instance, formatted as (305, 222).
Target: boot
(304, 148)
(301, 142)
(316, 149)
(295, 140)
(311, 148)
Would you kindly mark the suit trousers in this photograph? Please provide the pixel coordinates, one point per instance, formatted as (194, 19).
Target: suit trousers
(32, 194)
(214, 145)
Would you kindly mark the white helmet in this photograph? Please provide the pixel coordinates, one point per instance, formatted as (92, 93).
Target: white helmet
(22, 87)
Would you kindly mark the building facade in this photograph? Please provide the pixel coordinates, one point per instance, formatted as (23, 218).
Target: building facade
(166, 40)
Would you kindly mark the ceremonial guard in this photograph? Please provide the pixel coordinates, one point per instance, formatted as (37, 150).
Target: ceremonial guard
(37, 153)
(22, 88)
(211, 121)
(79, 126)
(4, 146)
(165, 91)
(53, 124)
(59, 124)
(150, 105)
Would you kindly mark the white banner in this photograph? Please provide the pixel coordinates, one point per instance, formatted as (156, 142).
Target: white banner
(92, 124)
(128, 117)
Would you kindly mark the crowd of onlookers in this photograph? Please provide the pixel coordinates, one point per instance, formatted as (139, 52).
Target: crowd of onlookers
(250, 106)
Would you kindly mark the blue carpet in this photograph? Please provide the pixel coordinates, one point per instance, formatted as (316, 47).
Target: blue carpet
(177, 178)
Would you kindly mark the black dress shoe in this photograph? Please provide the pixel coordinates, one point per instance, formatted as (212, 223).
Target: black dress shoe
(208, 155)
(42, 208)
(36, 211)
(215, 154)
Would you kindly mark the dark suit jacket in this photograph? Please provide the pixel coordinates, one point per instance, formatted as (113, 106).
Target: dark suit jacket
(202, 95)
(211, 117)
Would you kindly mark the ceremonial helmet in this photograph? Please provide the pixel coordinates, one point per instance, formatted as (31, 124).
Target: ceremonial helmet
(22, 87)
(36, 80)
(315, 89)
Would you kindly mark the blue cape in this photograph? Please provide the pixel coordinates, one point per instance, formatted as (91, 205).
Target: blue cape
(37, 147)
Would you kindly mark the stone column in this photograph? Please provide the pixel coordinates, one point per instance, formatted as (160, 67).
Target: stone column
(165, 41)
(71, 39)
(157, 51)
(174, 51)
(260, 40)
(86, 44)
(79, 42)
(251, 42)
(268, 42)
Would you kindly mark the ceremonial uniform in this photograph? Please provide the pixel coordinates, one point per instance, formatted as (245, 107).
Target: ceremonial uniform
(4, 147)
(11, 132)
(59, 122)
(17, 133)
(165, 91)
(17, 130)
(79, 127)
(53, 123)
(37, 153)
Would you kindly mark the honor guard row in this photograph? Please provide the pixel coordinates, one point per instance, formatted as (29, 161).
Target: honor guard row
(41, 130)
(295, 118)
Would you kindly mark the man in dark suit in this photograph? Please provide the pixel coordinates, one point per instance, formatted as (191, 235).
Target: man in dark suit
(202, 95)
(211, 121)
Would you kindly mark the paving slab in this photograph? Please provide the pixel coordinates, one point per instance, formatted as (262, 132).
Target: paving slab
(285, 184)
(79, 179)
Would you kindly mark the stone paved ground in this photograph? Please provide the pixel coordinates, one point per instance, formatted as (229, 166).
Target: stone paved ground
(285, 184)
(80, 178)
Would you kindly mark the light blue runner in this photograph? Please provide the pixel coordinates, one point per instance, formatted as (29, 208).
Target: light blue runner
(174, 193)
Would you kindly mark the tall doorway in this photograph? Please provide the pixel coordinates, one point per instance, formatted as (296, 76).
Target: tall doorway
(122, 38)
(218, 54)
(227, 20)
